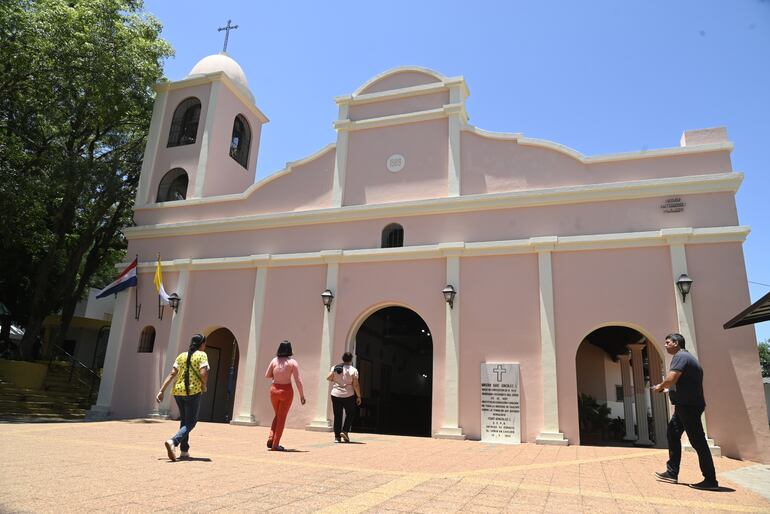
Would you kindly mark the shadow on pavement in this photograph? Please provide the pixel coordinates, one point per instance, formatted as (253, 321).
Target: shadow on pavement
(721, 489)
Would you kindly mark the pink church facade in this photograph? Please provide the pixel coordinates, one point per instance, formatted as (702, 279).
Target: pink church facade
(542, 245)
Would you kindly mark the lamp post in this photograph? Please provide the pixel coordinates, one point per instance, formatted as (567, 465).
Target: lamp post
(684, 283)
(449, 295)
(327, 297)
(173, 301)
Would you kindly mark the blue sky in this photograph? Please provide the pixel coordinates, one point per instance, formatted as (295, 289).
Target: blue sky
(597, 76)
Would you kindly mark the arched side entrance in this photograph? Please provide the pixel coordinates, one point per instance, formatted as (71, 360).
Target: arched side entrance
(615, 367)
(394, 356)
(222, 350)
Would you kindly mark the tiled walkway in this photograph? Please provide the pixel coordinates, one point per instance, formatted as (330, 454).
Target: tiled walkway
(121, 466)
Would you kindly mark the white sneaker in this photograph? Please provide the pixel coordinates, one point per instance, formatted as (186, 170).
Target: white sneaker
(184, 455)
(170, 450)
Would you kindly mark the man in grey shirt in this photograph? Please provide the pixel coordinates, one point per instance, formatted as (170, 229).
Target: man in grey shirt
(684, 383)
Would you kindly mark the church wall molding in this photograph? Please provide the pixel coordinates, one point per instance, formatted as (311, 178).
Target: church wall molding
(406, 92)
(400, 119)
(711, 235)
(679, 186)
(519, 138)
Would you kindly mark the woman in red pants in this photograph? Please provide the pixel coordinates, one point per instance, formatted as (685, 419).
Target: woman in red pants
(281, 369)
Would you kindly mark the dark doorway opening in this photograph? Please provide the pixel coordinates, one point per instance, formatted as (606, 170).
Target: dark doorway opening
(217, 402)
(394, 357)
(615, 404)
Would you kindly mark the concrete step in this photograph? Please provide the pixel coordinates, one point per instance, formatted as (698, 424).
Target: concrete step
(38, 416)
(10, 403)
(17, 393)
(18, 403)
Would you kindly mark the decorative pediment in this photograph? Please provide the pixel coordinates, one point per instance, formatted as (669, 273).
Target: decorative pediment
(400, 78)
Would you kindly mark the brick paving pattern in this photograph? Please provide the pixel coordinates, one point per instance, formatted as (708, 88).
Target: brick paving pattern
(121, 466)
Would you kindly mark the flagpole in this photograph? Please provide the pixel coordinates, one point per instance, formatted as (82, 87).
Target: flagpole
(160, 305)
(137, 305)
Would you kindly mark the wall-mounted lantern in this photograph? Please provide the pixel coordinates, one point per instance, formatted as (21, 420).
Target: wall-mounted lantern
(173, 301)
(327, 297)
(449, 295)
(684, 283)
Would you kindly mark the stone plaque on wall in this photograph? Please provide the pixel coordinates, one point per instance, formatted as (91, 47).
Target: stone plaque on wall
(500, 409)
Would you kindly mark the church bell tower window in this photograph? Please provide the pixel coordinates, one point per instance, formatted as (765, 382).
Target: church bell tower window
(241, 141)
(173, 186)
(184, 124)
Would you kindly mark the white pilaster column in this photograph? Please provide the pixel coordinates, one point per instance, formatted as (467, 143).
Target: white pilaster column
(154, 136)
(121, 312)
(248, 375)
(456, 121)
(321, 421)
(659, 415)
(637, 370)
(686, 321)
(628, 400)
(175, 337)
(684, 309)
(550, 433)
(208, 133)
(340, 160)
(450, 426)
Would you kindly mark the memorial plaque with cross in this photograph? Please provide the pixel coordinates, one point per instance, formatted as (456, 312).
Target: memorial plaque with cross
(500, 408)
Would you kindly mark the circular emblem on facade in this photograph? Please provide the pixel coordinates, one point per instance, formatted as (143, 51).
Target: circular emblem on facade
(396, 162)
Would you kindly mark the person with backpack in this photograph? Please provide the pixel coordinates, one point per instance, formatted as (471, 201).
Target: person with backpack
(346, 395)
(191, 370)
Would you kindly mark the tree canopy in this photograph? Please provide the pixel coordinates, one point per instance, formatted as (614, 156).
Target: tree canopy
(764, 357)
(76, 79)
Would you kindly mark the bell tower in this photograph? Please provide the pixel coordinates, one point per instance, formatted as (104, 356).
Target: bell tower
(204, 135)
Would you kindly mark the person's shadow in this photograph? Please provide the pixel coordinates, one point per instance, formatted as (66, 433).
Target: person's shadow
(720, 489)
(186, 459)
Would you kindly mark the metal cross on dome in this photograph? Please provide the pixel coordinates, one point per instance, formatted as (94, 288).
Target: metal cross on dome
(227, 30)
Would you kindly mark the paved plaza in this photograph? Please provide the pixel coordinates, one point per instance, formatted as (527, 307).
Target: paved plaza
(121, 466)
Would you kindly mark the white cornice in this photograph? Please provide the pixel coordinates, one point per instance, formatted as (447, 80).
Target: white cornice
(594, 159)
(406, 92)
(399, 119)
(440, 78)
(723, 182)
(208, 78)
(735, 234)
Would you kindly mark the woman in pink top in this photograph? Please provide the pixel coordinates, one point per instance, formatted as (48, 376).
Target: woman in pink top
(281, 369)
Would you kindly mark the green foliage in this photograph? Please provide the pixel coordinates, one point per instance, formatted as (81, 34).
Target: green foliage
(594, 417)
(76, 79)
(617, 428)
(764, 357)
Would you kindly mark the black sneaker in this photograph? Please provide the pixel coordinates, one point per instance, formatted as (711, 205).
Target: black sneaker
(666, 477)
(706, 485)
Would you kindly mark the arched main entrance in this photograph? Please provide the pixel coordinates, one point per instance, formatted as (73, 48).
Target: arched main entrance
(394, 356)
(615, 367)
(222, 350)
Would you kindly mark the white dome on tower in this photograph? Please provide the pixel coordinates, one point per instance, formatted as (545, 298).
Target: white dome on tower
(228, 65)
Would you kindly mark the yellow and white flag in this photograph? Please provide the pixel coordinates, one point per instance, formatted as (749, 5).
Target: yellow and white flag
(159, 283)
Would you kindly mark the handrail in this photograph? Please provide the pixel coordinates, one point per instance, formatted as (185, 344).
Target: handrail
(75, 363)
